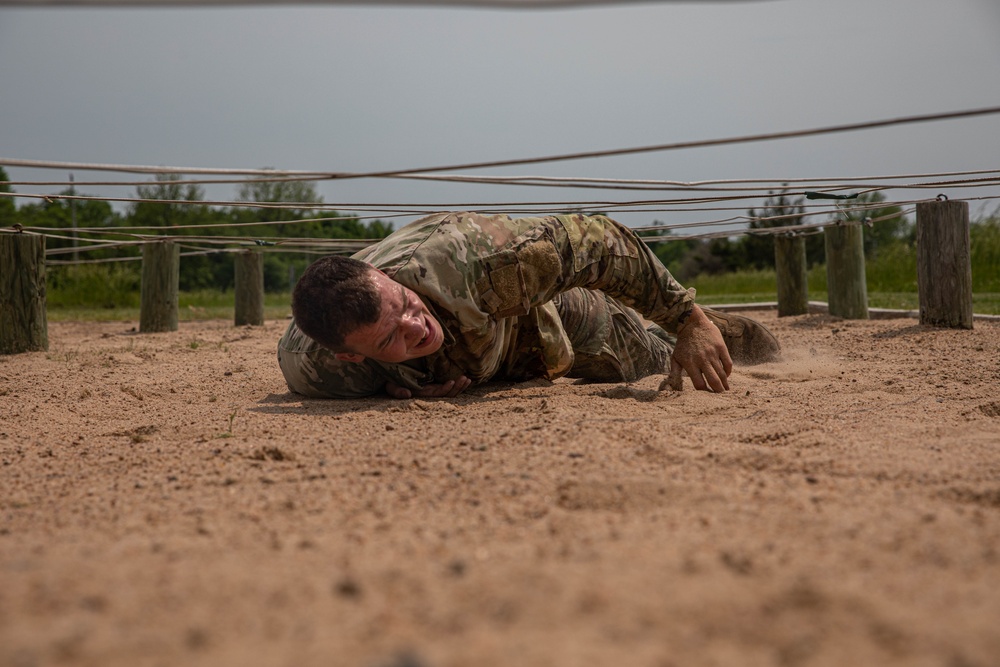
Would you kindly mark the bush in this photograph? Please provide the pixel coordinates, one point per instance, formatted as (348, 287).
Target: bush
(894, 269)
(737, 286)
(985, 248)
(113, 285)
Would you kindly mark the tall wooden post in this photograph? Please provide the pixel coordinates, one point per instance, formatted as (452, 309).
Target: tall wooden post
(847, 290)
(161, 269)
(790, 265)
(23, 323)
(249, 288)
(944, 264)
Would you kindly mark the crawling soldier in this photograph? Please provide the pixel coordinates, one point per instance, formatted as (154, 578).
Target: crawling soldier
(456, 299)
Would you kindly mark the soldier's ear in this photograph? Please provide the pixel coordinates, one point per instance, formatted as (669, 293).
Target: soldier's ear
(349, 356)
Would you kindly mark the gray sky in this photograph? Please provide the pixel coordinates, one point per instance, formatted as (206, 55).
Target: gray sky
(347, 88)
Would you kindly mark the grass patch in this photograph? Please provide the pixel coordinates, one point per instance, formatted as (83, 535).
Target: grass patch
(192, 306)
(761, 286)
(891, 273)
(737, 284)
(987, 303)
(891, 284)
(729, 288)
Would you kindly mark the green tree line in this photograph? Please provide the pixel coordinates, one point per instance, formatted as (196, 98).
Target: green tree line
(213, 270)
(889, 243)
(889, 239)
(689, 258)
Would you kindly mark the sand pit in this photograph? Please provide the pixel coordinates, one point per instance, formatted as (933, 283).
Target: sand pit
(165, 501)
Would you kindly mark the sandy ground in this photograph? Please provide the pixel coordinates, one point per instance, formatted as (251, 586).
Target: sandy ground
(165, 501)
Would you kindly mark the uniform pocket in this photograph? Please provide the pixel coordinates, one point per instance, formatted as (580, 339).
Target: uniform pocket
(595, 237)
(522, 275)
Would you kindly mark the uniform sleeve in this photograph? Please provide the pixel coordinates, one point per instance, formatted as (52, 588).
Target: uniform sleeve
(316, 373)
(312, 370)
(562, 252)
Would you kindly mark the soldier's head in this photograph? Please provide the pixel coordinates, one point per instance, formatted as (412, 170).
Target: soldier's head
(357, 311)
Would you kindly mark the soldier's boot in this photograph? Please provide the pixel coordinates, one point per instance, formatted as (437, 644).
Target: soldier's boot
(748, 341)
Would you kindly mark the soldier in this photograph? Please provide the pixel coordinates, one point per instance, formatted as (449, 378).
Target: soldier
(456, 299)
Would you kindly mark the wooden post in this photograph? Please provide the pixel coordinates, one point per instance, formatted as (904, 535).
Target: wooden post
(847, 291)
(790, 263)
(944, 264)
(161, 269)
(249, 288)
(23, 323)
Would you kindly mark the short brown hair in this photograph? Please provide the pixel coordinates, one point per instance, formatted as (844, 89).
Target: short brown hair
(334, 297)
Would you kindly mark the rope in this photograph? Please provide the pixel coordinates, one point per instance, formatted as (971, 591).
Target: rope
(325, 245)
(739, 190)
(831, 129)
(818, 209)
(546, 181)
(417, 209)
(124, 229)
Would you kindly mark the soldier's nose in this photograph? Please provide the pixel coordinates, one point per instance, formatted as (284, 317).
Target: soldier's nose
(414, 328)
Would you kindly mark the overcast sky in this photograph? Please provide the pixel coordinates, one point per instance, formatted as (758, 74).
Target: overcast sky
(347, 88)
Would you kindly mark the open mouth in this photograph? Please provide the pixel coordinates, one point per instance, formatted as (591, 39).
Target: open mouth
(427, 334)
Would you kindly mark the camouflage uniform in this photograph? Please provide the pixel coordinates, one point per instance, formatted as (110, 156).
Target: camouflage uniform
(517, 298)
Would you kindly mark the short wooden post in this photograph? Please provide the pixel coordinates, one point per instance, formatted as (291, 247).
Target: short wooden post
(790, 265)
(944, 264)
(249, 288)
(847, 290)
(161, 269)
(23, 323)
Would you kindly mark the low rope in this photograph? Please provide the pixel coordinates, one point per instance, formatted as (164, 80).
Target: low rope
(549, 181)
(752, 138)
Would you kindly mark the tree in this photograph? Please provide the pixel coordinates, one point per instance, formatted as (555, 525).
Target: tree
(8, 211)
(59, 213)
(286, 192)
(176, 207)
(280, 267)
(175, 212)
(103, 284)
(984, 236)
(671, 251)
(779, 210)
(889, 225)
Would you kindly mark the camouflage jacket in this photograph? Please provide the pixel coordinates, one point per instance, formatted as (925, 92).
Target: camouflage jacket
(490, 281)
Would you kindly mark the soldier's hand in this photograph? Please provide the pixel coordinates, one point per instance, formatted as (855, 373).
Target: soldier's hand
(449, 389)
(701, 352)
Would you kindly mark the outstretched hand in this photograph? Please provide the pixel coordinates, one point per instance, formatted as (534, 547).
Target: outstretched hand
(701, 352)
(449, 389)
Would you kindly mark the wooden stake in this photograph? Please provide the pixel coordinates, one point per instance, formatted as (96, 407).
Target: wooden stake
(249, 288)
(161, 269)
(847, 290)
(944, 264)
(790, 262)
(23, 323)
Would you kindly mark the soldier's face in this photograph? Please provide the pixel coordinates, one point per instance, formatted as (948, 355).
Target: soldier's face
(404, 330)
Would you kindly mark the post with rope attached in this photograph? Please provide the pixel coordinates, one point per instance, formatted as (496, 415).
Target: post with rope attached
(790, 265)
(249, 288)
(847, 290)
(161, 269)
(944, 264)
(23, 323)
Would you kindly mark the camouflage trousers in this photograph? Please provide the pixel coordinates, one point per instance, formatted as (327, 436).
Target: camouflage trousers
(610, 342)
